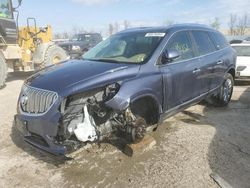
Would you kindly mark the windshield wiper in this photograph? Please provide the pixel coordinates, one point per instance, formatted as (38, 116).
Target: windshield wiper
(106, 60)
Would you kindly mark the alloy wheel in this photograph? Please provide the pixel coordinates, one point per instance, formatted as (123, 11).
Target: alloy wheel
(227, 90)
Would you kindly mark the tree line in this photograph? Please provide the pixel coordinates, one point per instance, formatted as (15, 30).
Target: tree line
(112, 29)
(237, 25)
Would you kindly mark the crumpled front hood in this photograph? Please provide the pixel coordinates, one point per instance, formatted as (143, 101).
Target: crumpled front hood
(80, 75)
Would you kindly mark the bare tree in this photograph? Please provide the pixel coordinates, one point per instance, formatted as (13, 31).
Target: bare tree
(169, 22)
(66, 35)
(242, 24)
(232, 24)
(126, 24)
(77, 29)
(57, 36)
(116, 27)
(216, 23)
(111, 29)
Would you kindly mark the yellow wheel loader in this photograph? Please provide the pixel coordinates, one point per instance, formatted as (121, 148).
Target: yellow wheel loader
(26, 48)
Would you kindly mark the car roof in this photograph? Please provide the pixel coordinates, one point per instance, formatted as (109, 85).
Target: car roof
(167, 28)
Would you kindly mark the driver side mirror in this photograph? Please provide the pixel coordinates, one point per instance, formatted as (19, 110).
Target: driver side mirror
(170, 55)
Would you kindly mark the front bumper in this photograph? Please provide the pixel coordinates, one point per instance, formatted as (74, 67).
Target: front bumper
(40, 132)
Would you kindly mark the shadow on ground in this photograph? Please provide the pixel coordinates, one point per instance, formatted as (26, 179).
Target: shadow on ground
(242, 83)
(229, 151)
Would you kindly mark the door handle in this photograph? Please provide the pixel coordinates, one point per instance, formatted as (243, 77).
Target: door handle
(195, 71)
(219, 62)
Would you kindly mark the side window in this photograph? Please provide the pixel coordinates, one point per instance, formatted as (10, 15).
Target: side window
(5, 9)
(203, 42)
(219, 40)
(181, 42)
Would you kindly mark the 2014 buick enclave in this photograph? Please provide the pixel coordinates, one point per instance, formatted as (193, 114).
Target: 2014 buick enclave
(124, 85)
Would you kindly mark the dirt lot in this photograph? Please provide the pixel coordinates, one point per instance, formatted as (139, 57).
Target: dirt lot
(190, 146)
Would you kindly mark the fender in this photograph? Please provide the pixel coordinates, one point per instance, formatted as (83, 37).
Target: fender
(231, 67)
(224, 76)
(120, 102)
(143, 85)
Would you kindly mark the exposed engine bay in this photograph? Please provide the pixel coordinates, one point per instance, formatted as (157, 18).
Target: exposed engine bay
(87, 119)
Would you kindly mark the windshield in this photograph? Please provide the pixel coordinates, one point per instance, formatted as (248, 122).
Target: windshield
(81, 37)
(242, 50)
(126, 48)
(5, 9)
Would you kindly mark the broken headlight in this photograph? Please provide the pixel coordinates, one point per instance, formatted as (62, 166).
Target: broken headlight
(110, 91)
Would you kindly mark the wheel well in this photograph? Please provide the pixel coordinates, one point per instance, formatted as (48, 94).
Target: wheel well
(147, 108)
(232, 72)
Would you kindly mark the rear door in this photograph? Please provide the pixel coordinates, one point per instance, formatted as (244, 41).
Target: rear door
(220, 59)
(180, 77)
(205, 51)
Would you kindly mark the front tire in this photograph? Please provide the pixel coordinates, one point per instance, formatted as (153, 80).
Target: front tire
(225, 92)
(3, 71)
(54, 55)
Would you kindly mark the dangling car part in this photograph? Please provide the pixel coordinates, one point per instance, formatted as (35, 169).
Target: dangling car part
(86, 118)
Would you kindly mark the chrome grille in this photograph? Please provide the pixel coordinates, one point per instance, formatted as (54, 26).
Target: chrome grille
(36, 101)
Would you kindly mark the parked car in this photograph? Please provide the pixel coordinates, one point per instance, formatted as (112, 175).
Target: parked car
(81, 43)
(236, 39)
(243, 60)
(124, 86)
(247, 39)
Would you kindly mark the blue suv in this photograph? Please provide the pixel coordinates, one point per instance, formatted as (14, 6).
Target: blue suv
(124, 86)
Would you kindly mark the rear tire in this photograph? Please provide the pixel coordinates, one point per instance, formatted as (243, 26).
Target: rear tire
(225, 92)
(54, 55)
(3, 71)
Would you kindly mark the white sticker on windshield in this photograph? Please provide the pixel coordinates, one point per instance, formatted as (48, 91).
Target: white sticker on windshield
(155, 34)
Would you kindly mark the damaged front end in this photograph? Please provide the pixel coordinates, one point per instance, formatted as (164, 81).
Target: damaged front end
(87, 118)
(62, 126)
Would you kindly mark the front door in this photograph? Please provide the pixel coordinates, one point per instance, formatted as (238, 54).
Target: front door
(181, 76)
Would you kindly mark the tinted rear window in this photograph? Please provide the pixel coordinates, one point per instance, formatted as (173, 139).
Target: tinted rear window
(219, 40)
(203, 42)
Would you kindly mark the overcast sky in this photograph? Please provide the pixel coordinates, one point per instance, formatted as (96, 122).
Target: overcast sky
(97, 14)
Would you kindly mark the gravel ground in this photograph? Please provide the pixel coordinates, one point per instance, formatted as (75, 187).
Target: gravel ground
(190, 146)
